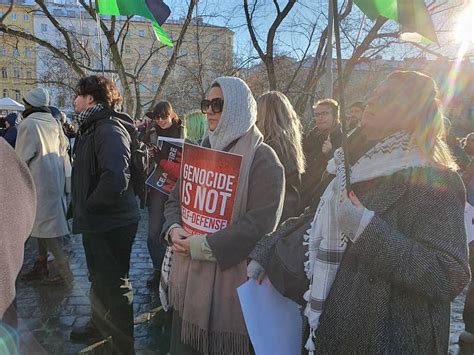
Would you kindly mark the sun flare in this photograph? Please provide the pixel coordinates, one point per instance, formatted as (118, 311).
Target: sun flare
(464, 32)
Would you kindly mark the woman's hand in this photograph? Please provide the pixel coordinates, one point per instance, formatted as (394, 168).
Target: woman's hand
(350, 213)
(180, 241)
(255, 271)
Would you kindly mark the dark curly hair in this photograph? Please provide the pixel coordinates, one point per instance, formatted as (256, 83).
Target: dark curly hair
(103, 90)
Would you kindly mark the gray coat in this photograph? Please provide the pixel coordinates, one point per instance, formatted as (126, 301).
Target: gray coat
(394, 286)
(41, 144)
(264, 205)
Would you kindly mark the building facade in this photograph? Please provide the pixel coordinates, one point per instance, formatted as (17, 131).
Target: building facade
(17, 55)
(206, 52)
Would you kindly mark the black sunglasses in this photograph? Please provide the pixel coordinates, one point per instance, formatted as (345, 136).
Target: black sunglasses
(216, 104)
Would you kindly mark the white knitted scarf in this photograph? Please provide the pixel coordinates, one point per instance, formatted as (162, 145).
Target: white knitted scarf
(326, 246)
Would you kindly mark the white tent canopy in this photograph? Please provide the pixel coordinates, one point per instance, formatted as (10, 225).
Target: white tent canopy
(7, 104)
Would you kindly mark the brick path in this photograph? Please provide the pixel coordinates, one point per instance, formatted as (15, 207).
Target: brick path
(47, 314)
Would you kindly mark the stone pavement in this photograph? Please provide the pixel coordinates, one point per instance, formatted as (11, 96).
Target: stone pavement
(47, 314)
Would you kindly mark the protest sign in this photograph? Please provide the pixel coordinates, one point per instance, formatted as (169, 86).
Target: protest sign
(168, 159)
(209, 181)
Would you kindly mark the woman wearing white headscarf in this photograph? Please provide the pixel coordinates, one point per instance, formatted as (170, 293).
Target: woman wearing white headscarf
(206, 271)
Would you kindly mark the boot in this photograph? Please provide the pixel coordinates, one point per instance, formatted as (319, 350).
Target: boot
(60, 273)
(88, 334)
(39, 270)
(154, 280)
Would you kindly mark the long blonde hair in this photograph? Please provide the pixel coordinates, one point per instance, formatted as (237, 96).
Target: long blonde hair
(281, 126)
(427, 119)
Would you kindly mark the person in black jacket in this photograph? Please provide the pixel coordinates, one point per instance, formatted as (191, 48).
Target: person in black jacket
(105, 210)
(11, 131)
(319, 146)
(166, 124)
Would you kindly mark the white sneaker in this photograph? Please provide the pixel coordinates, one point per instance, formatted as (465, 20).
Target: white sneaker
(50, 257)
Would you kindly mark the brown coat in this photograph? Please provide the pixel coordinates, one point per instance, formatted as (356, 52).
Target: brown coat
(18, 201)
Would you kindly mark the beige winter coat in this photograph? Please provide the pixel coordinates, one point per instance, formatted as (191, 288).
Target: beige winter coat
(17, 213)
(42, 145)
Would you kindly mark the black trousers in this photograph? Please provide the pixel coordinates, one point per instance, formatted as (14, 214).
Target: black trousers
(111, 294)
(156, 219)
(468, 313)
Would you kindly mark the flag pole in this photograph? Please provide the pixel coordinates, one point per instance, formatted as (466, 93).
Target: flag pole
(340, 92)
(329, 72)
(101, 51)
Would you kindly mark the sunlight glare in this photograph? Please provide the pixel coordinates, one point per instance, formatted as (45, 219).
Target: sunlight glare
(464, 32)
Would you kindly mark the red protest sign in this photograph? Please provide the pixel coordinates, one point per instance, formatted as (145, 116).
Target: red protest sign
(209, 181)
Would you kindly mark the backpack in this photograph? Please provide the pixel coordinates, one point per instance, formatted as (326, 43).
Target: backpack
(140, 161)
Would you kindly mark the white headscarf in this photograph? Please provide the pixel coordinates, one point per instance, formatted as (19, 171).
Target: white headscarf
(239, 113)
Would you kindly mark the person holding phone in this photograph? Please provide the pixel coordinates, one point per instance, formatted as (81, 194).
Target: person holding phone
(319, 146)
(166, 124)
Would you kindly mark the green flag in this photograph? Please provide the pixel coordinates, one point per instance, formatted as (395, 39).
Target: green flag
(155, 10)
(412, 15)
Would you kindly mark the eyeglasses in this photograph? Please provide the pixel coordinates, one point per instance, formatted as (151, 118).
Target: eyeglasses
(322, 114)
(216, 105)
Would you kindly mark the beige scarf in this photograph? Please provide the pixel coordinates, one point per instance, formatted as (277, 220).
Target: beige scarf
(204, 296)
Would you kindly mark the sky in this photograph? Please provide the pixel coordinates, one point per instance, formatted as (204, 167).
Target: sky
(293, 36)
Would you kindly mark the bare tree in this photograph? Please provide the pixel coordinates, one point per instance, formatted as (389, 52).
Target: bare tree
(76, 53)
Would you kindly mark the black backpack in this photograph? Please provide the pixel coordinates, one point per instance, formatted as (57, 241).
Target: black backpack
(140, 161)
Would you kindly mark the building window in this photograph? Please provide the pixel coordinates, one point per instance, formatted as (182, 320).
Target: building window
(16, 53)
(4, 72)
(29, 75)
(44, 27)
(141, 33)
(26, 17)
(28, 53)
(5, 93)
(16, 73)
(13, 16)
(17, 95)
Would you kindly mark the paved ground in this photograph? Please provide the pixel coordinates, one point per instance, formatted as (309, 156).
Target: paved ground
(47, 314)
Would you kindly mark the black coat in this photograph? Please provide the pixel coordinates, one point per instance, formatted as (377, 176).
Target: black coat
(102, 195)
(393, 289)
(292, 185)
(316, 161)
(175, 131)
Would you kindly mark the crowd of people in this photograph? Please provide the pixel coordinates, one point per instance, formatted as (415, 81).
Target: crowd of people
(374, 257)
